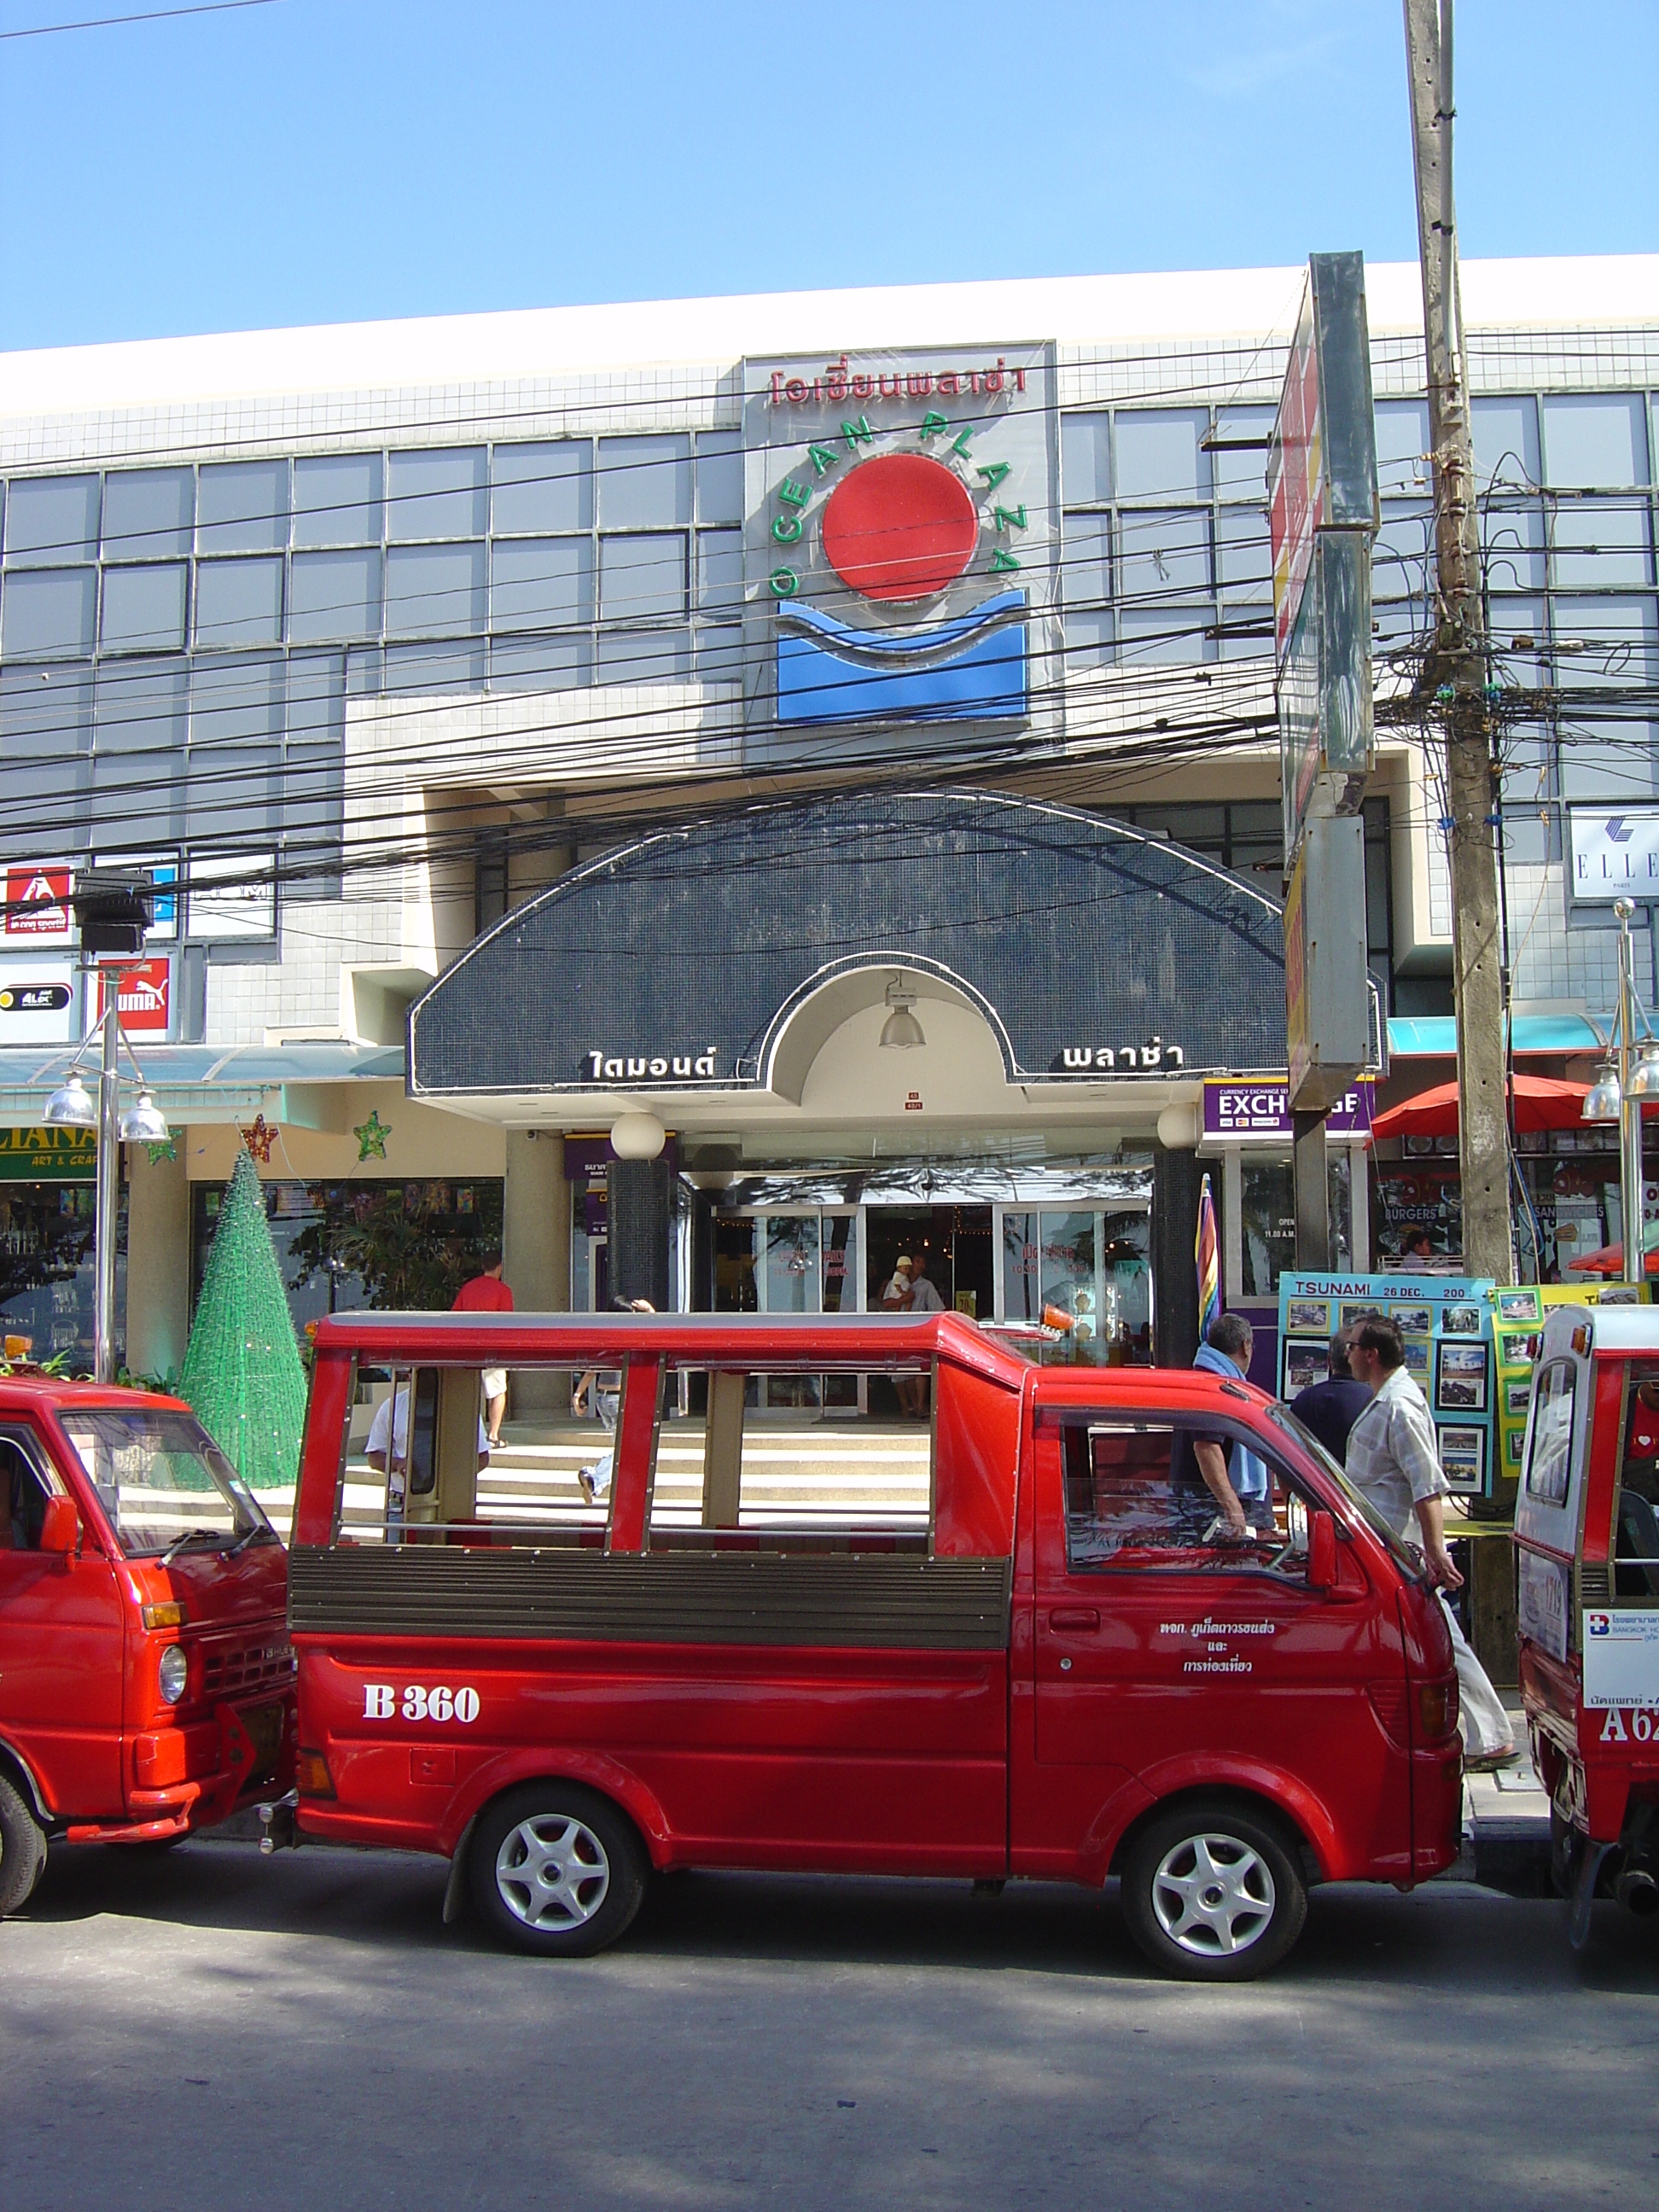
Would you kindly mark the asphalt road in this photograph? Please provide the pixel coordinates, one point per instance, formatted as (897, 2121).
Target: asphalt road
(207, 2029)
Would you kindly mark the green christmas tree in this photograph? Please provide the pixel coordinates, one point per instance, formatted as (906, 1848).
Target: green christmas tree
(242, 1377)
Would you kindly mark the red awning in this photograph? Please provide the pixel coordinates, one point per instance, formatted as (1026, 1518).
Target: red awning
(1541, 1101)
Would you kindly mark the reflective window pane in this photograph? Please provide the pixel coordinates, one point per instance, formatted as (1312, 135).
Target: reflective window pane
(1505, 434)
(148, 513)
(1159, 453)
(241, 507)
(1090, 639)
(316, 698)
(236, 699)
(1596, 442)
(538, 664)
(720, 570)
(52, 519)
(1085, 459)
(237, 602)
(792, 1263)
(541, 583)
(1174, 633)
(1600, 542)
(1068, 1279)
(141, 706)
(1086, 559)
(642, 577)
(645, 483)
(144, 609)
(1242, 475)
(720, 653)
(542, 489)
(720, 475)
(41, 721)
(1512, 534)
(436, 495)
(1161, 553)
(47, 610)
(1268, 1219)
(1403, 447)
(1243, 554)
(336, 499)
(435, 668)
(1612, 642)
(433, 590)
(643, 656)
(1403, 551)
(334, 595)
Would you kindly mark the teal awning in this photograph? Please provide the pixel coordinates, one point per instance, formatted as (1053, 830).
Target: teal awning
(1434, 1036)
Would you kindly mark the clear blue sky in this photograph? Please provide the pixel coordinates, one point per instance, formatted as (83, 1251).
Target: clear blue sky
(320, 160)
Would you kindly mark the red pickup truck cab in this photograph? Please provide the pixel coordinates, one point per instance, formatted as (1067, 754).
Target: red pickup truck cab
(1586, 1540)
(1005, 1638)
(146, 1676)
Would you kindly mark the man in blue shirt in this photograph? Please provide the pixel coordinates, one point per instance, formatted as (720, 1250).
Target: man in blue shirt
(1331, 1408)
(1217, 1479)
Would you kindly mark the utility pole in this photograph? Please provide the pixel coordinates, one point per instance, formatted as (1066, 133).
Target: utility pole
(1456, 674)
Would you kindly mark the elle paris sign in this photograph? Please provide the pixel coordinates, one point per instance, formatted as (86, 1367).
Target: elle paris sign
(900, 508)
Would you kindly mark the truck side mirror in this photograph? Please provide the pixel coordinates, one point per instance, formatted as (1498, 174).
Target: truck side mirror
(1322, 1552)
(60, 1526)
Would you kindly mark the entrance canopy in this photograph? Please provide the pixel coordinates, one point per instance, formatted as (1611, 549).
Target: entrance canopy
(721, 957)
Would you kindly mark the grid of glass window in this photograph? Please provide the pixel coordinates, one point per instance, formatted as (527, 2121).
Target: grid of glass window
(151, 617)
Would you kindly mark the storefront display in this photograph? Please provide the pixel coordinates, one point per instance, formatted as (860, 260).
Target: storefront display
(1571, 1177)
(1446, 1323)
(47, 1291)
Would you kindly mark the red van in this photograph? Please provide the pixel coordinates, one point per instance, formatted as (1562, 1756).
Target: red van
(146, 1675)
(801, 1631)
(1586, 1540)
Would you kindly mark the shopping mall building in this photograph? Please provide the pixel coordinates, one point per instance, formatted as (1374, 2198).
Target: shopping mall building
(839, 726)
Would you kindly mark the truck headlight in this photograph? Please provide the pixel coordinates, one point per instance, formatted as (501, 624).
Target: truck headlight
(172, 1671)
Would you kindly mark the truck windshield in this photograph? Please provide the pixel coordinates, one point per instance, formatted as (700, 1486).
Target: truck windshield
(162, 1481)
(1408, 1560)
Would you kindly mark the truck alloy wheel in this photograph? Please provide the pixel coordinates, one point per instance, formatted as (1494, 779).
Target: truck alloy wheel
(22, 1850)
(556, 1868)
(1213, 1892)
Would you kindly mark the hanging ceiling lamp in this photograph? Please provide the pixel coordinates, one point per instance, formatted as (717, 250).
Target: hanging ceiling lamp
(901, 1031)
(1604, 1098)
(144, 1122)
(71, 1106)
(1645, 1076)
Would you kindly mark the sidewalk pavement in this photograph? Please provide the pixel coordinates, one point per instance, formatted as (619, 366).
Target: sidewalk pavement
(1506, 1823)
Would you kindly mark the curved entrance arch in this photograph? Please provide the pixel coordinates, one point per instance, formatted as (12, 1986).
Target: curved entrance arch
(826, 1040)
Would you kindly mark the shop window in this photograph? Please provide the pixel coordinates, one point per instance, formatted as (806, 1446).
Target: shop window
(1267, 1219)
(148, 513)
(645, 483)
(44, 611)
(720, 475)
(541, 583)
(241, 507)
(47, 1288)
(50, 521)
(1596, 543)
(642, 579)
(433, 591)
(1085, 459)
(1136, 1497)
(238, 603)
(1505, 438)
(1594, 442)
(1088, 1267)
(334, 595)
(144, 609)
(440, 494)
(1402, 448)
(1160, 453)
(543, 489)
(337, 501)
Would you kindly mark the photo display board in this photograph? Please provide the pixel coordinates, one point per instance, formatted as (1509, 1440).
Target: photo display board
(1447, 1325)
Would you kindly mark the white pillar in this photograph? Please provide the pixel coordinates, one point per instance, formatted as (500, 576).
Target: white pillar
(536, 1252)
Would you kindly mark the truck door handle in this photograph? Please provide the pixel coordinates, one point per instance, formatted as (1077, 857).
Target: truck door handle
(1074, 1616)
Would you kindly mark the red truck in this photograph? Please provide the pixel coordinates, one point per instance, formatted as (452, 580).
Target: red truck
(1015, 1641)
(146, 1675)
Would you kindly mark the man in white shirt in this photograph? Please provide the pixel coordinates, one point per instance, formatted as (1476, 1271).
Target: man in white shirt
(391, 1426)
(924, 1298)
(1393, 1462)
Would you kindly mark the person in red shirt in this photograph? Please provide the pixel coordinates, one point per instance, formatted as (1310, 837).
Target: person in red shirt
(488, 1293)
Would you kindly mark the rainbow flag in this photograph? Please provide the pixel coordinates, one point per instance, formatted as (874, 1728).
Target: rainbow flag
(1207, 1257)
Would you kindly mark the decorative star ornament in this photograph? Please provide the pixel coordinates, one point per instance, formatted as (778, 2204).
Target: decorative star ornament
(371, 1135)
(164, 1148)
(259, 1139)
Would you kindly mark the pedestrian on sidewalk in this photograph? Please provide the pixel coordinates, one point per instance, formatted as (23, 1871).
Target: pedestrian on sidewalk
(1331, 1408)
(602, 1388)
(1221, 1488)
(1394, 1465)
(488, 1293)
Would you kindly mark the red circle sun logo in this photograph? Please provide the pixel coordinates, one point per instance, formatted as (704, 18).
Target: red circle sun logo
(899, 527)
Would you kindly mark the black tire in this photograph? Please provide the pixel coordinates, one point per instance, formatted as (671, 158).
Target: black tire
(22, 1849)
(557, 1869)
(1213, 1890)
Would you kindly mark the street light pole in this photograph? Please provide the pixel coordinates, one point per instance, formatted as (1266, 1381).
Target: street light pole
(108, 1188)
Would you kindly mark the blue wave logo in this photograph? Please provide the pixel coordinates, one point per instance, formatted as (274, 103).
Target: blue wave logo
(970, 669)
